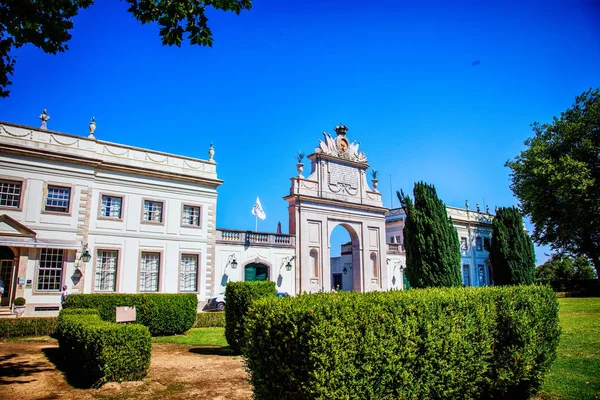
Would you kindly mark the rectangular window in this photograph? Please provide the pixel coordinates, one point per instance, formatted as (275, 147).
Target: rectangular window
(191, 216)
(10, 194)
(153, 211)
(486, 243)
(50, 270)
(58, 198)
(481, 274)
(111, 207)
(463, 243)
(479, 243)
(189, 273)
(149, 272)
(106, 270)
(466, 275)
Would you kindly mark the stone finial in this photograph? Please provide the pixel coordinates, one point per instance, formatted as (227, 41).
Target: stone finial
(92, 128)
(211, 152)
(477, 205)
(44, 117)
(487, 209)
(467, 204)
(341, 129)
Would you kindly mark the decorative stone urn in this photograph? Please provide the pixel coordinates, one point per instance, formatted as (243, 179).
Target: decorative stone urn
(19, 306)
(92, 128)
(211, 152)
(300, 169)
(375, 183)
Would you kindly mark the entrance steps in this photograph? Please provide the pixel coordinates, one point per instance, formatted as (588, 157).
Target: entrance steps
(6, 312)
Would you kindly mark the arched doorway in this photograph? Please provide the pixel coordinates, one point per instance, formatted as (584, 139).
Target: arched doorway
(341, 258)
(7, 260)
(256, 272)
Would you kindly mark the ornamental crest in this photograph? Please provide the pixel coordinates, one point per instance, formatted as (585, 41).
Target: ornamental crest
(340, 146)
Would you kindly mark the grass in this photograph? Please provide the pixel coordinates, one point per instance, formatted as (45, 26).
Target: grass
(197, 337)
(576, 372)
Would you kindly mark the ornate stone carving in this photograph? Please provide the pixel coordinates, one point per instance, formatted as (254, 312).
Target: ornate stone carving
(340, 146)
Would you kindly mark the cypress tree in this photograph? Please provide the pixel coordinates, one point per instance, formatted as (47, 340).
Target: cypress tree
(430, 240)
(511, 249)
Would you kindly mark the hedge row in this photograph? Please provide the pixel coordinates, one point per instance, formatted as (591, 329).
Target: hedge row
(105, 351)
(467, 343)
(13, 327)
(240, 296)
(210, 320)
(163, 314)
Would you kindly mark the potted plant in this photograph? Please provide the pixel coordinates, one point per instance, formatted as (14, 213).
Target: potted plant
(19, 306)
(374, 179)
(300, 165)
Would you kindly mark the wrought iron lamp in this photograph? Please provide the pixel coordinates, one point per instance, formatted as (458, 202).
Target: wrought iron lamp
(232, 261)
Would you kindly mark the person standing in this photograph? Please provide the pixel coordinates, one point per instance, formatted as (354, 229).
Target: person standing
(63, 296)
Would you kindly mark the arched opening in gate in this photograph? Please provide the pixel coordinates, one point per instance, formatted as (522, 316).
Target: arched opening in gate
(344, 258)
(256, 272)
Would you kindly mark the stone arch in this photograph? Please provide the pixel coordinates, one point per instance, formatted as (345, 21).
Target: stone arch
(336, 192)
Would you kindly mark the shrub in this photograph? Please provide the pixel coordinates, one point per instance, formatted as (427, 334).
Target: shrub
(163, 314)
(426, 343)
(15, 327)
(105, 351)
(19, 301)
(210, 320)
(239, 297)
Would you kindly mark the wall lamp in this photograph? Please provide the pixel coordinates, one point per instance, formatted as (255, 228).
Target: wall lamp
(232, 261)
(346, 265)
(85, 254)
(288, 266)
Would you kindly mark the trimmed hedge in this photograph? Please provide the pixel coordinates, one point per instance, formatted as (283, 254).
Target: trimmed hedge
(106, 351)
(240, 296)
(163, 314)
(469, 343)
(14, 327)
(210, 320)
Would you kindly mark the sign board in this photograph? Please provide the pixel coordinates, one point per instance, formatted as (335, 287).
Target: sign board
(21, 280)
(125, 314)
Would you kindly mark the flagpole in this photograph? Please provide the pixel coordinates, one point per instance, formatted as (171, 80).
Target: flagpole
(256, 225)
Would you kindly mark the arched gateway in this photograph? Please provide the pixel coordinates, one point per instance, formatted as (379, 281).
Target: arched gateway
(336, 193)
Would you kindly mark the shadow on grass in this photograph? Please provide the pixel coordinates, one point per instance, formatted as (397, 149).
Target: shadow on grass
(9, 368)
(74, 374)
(214, 351)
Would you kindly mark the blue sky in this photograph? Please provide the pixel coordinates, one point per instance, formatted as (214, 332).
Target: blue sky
(399, 75)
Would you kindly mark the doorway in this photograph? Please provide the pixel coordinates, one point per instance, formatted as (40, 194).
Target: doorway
(256, 272)
(7, 259)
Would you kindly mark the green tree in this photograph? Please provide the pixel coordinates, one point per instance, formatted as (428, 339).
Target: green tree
(511, 249)
(563, 272)
(430, 240)
(557, 179)
(46, 24)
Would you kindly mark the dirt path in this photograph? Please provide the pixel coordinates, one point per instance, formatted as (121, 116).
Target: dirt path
(32, 370)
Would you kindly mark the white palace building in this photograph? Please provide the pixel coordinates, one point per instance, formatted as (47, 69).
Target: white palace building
(102, 217)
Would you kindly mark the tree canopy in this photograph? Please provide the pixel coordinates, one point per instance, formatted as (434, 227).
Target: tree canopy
(563, 272)
(557, 179)
(511, 249)
(46, 24)
(430, 240)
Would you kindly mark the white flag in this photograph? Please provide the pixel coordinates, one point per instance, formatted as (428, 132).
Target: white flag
(258, 210)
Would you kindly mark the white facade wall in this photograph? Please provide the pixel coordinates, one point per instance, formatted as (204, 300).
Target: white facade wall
(90, 169)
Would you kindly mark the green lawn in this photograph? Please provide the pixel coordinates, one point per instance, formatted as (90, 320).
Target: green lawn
(576, 372)
(197, 337)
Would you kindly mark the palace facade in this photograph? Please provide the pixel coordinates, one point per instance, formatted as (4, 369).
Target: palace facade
(103, 217)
